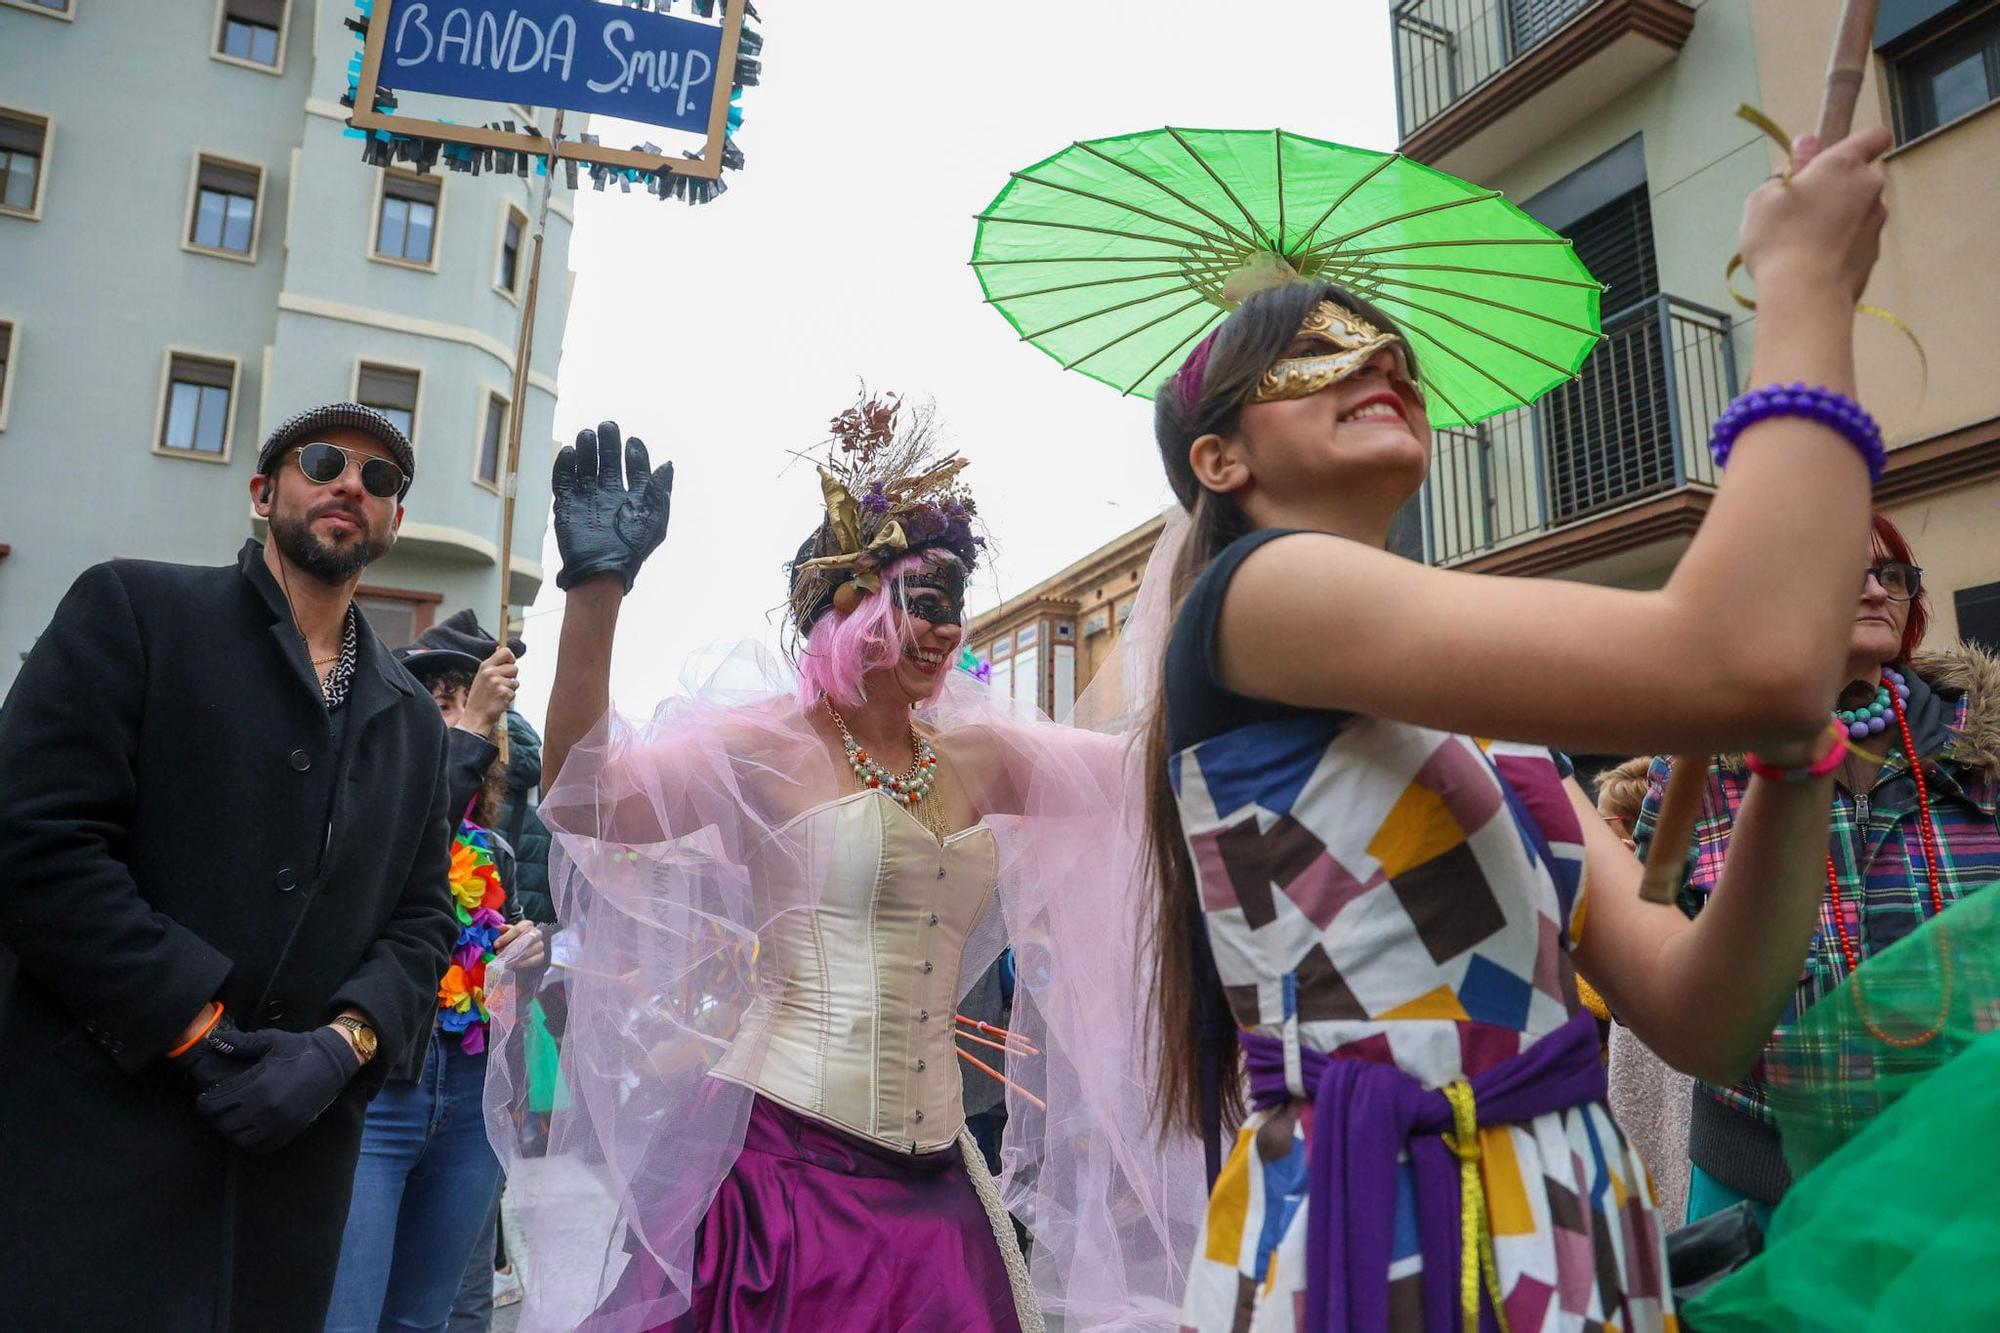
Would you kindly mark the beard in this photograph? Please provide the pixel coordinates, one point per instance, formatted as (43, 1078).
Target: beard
(293, 535)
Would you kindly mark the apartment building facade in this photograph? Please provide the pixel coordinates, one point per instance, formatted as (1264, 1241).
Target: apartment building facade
(191, 249)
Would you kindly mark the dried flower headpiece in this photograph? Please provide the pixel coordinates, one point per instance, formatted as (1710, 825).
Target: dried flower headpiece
(890, 491)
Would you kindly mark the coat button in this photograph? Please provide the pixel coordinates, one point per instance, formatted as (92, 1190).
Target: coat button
(301, 761)
(921, 1066)
(927, 964)
(920, 1117)
(118, 1048)
(274, 1011)
(287, 881)
(933, 918)
(923, 1015)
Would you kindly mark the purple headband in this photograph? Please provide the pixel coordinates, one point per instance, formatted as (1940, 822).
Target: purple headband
(1187, 380)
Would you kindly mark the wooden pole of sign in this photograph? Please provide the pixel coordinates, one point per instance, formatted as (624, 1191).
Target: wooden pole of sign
(1680, 805)
(524, 351)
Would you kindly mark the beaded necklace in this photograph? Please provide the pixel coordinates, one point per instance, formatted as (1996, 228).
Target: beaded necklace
(906, 789)
(1896, 690)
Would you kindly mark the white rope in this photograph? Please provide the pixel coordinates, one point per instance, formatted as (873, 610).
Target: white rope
(1026, 1310)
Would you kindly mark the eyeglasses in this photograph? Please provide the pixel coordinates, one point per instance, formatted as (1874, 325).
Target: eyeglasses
(324, 464)
(1900, 581)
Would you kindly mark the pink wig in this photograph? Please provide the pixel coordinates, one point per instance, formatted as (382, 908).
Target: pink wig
(842, 649)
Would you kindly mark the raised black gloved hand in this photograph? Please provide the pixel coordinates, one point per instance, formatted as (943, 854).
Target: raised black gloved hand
(296, 1076)
(217, 1057)
(608, 522)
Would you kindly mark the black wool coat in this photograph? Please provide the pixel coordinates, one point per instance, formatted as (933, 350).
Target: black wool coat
(177, 823)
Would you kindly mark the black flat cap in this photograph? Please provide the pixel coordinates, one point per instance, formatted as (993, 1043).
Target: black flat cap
(302, 426)
(456, 643)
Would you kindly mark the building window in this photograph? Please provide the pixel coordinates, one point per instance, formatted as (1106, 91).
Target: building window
(397, 616)
(225, 207)
(252, 31)
(195, 417)
(55, 9)
(1064, 629)
(1096, 624)
(513, 231)
(1125, 611)
(1026, 636)
(23, 147)
(1979, 615)
(406, 226)
(392, 392)
(6, 369)
(1949, 72)
(493, 439)
(1003, 646)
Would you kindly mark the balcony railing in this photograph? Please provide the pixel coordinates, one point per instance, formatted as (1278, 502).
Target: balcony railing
(1634, 423)
(1447, 48)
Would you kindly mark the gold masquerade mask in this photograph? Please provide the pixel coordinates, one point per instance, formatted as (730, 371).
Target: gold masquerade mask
(1353, 342)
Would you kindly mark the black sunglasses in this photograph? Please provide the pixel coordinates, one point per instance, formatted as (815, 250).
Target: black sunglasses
(324, 463)
(1900, 581)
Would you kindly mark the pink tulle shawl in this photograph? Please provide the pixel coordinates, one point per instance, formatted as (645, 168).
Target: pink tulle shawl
(678, 839)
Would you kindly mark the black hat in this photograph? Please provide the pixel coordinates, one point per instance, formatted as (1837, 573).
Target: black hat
(301, 425)
(455, 643)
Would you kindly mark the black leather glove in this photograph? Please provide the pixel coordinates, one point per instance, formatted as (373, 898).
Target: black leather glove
(296, 1076)
(608, 522)
(217, 1057)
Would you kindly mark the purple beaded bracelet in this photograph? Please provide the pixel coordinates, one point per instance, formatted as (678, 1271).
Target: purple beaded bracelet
(1835, 411)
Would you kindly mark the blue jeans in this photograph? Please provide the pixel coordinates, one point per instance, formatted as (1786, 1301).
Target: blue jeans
(423, 1198)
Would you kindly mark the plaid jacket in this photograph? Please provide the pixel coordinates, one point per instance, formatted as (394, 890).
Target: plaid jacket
(1875, 836)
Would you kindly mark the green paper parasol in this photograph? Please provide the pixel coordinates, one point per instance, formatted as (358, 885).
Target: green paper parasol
(1115, 256)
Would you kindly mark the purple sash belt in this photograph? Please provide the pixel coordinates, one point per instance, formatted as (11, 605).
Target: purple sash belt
(1364, 1116)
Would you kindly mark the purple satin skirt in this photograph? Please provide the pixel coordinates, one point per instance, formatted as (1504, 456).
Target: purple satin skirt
(817, 1229)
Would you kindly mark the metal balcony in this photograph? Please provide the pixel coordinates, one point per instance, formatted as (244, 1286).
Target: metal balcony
(1447, 48)
(1482, 83)
(1632, 425)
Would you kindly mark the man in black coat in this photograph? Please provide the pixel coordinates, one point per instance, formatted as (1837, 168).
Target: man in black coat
(223, 910)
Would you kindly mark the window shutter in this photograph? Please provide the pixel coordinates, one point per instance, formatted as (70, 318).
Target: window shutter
(1608, 434)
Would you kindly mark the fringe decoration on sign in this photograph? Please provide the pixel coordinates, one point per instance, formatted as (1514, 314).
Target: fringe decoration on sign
(381, 148)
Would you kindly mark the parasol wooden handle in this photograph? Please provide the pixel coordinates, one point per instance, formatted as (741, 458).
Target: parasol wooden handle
(1852, 45)
(1666, 855)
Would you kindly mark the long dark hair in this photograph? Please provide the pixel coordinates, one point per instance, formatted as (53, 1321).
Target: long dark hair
(1188, 1004)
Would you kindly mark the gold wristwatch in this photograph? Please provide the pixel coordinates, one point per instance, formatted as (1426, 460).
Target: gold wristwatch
(363, 1035)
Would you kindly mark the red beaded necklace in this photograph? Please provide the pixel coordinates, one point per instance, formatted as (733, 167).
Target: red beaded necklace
(1929, 842)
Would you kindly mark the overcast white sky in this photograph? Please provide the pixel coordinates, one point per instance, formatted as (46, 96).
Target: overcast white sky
(728, 334)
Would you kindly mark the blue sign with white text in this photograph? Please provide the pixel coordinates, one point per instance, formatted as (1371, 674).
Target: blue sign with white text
(580, 55)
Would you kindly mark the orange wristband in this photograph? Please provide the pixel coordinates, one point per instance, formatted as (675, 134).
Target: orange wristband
(214, 1017)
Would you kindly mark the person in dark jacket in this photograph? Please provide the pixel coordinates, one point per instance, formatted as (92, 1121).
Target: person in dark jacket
(526, 833)
(223, 831)
(428, 1182)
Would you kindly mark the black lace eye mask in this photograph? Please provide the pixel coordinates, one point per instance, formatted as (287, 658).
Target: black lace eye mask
(936, 596)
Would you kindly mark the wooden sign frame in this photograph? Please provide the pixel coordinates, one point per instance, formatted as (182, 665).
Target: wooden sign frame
(706, 167)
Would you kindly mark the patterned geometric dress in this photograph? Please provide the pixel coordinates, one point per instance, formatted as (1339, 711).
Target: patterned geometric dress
(1388, 893)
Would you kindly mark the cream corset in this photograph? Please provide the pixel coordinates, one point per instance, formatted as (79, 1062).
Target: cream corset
(853, 1018)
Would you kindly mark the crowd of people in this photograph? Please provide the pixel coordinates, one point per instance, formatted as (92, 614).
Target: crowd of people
(1276, 990)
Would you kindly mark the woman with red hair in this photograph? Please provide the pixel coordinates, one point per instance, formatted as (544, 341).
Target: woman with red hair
(1913, 831)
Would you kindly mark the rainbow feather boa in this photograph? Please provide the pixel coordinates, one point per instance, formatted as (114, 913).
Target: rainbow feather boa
(477, 897)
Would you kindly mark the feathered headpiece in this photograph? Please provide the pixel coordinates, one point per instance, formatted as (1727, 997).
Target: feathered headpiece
(890, 491)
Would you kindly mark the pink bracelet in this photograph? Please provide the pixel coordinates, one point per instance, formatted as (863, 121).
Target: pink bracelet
(1819, 768)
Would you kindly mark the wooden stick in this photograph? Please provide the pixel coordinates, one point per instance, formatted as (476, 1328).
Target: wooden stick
(524, 351)
(1666, 857)
(981, 1065)
(1014, 1039)
(998, 1046)
(1853, 47)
